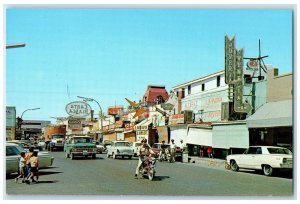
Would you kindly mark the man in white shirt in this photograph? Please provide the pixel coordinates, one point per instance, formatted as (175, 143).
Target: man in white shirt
(173, 150)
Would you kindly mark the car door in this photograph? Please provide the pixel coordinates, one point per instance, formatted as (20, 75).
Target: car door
(253, 157)
(12, 160)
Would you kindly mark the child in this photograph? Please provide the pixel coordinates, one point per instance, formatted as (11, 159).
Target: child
(22, 167)
(34, 163)
(27, 158)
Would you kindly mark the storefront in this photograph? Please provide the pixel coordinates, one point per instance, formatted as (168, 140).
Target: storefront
(272, 124)
(229, 138)
(198, 135)
(178, 132)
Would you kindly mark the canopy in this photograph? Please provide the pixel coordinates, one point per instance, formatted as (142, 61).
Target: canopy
(273, 114)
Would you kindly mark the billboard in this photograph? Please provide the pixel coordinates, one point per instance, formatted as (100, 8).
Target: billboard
(10, 117)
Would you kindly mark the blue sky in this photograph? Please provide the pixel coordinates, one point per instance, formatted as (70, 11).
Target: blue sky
(110, 54)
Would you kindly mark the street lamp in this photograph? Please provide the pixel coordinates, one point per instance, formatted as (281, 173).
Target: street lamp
(85, 99)
(18, 45)
(20, 120)
(28, 110)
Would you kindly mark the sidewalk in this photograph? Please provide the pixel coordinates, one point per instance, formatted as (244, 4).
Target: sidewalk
(206, 162)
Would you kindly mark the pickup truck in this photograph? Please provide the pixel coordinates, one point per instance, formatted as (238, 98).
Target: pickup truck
(80, 146)
(57, 142)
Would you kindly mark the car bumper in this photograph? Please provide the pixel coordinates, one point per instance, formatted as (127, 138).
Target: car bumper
(124, 154)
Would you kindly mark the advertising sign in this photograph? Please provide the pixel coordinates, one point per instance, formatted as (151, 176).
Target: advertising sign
(114, 110)
(10, 116)
(78, 109)
(74, 123)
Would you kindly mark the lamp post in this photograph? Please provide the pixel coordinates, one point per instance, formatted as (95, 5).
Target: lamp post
(85, 99)
(28, 110)
(21, 120)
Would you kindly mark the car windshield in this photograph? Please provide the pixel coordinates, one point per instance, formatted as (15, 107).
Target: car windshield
(82, 140)
(57, 136)
(13, 150)
(137, 144)
(120, 144)
(274, 150)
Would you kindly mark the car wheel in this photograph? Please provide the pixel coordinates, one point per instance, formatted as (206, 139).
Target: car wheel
(107, 155)
(94, 156)
(113, 156)
(234, 166)
(130, 157)
(268, 170)
(67, 155)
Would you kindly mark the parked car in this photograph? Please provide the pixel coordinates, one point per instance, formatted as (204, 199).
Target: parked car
(13, 152)
(134, 146)
(80, 145)
(157, 146)
(119, 148)
(265, 158)
(100, 147)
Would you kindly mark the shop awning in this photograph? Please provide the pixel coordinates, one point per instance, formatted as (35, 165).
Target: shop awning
(199, 136)
(273, 114)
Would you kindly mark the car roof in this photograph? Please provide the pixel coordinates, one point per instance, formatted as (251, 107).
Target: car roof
(11, 144)
(78, 136)
(265, 146)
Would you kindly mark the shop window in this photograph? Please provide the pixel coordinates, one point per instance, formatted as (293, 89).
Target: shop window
(203, 87)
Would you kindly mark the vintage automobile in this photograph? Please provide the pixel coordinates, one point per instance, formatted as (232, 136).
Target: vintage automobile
(13, 154)
(265, 158)
(157, 146)
(119, 148)
(134, 146)
(100, 147)
(80, 145)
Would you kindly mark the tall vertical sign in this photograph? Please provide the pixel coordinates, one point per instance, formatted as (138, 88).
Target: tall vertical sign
(234, 76)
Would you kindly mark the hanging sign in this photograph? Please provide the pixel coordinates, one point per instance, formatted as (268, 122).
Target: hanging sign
(78, 109)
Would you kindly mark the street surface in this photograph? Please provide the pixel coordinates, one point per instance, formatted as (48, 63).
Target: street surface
(107, 178)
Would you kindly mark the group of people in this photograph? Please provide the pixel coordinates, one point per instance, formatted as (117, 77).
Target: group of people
(209, 152)
(29, 167)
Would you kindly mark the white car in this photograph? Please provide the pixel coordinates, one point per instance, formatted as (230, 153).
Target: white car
(119, 148)
(13, 155)
(135, 145)
(265, 158)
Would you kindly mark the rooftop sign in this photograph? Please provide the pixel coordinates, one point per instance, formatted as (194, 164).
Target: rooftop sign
(78, 109)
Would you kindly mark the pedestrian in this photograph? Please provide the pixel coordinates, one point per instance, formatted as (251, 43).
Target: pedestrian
(27, 158)
(142, 151)
(182, 146)
(22, 168)
(34, 163)
(210, 152)
(173, 150)
(201, 151)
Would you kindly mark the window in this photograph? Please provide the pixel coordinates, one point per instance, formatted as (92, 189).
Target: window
(218, 80)
(183, 93)
(189, 89)
(203, 87)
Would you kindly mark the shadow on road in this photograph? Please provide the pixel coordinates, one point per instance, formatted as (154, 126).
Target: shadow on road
(49, 172)
(278, 174)
(160, 178)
